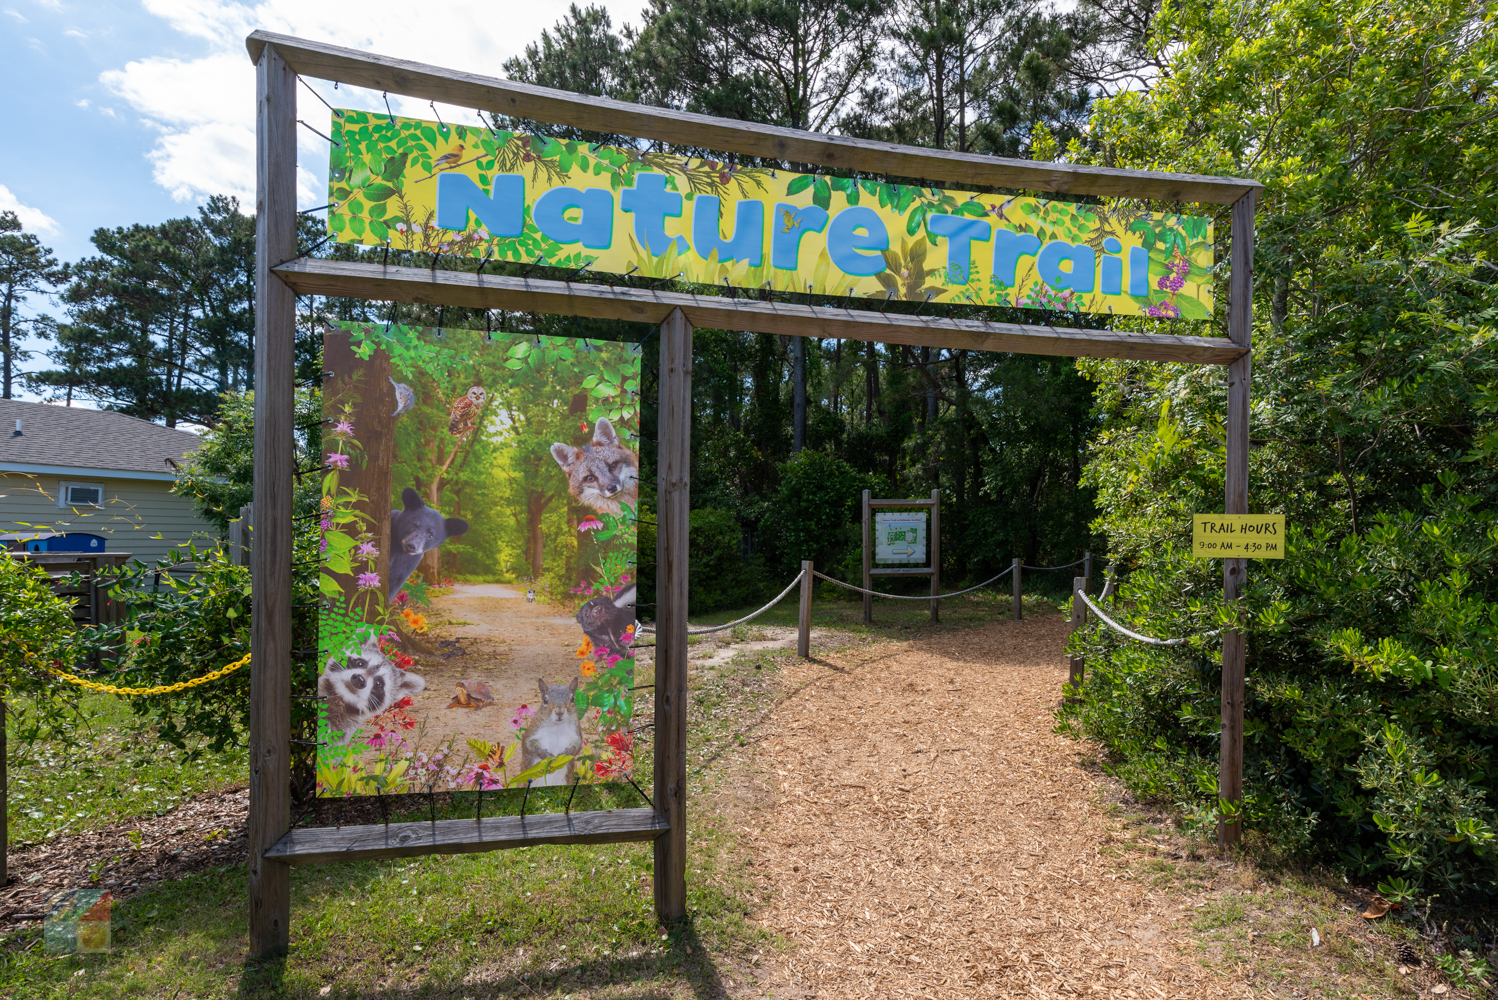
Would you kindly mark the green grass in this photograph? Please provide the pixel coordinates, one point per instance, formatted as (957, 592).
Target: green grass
(110, 767)
(551, 921)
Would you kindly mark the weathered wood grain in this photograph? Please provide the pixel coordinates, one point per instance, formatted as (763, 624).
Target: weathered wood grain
(868, 557)
(1234, 571)
(462, 288)
(935, 550)
(673, 485)
(601, 114)
(900, 571)
(919, 502)
(1077, 664)
(1019, 604)
(803, 620)
(320, 845)
(275, 463)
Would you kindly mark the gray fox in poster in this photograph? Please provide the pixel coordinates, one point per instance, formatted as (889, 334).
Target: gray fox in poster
(553, 731)
(413, 532)
(360, 686)
(601, 475)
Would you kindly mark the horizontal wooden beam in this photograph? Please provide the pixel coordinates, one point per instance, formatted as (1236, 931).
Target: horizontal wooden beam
(310, 276)
(610, 117)
(320, 845)
(928, 502)
(901, 571)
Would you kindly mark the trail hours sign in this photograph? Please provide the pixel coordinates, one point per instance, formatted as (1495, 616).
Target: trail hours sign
(900, 538)
(1238, 536)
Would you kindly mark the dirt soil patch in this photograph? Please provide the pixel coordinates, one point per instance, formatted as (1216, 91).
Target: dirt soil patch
(931, 836)
(205, 832)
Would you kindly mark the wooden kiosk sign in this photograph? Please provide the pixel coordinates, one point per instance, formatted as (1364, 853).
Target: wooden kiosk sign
(968, 244)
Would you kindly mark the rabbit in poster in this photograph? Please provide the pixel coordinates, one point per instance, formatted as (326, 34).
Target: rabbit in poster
(553, 731)
(413, 532)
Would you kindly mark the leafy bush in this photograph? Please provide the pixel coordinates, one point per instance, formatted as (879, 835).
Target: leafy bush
(814, 515)
(1372, 698)
(35, 626)
(722, 576)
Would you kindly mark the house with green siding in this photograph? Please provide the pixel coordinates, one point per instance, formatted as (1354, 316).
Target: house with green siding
(67, 469)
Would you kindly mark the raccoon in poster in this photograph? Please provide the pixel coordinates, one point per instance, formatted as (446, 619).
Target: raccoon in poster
(479, 506)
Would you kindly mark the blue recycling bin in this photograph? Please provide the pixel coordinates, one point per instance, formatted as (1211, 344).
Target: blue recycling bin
(72, 541)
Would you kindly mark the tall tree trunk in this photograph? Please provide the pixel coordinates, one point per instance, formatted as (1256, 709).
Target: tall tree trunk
(375, 428)
(798, 405)
(6, 317)
(535, 507)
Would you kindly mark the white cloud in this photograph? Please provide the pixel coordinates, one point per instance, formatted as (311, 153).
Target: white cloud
(82, 102)
(205, 108)
(52, 5)
(33, 219)
(18, 16)
(74, 33)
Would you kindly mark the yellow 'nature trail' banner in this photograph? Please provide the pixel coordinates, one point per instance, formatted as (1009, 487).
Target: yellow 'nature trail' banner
(468, 190)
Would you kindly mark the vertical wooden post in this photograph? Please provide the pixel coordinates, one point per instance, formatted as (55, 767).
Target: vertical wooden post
(868, 560)
(1019, 604)
(1234, 647)
(270, 553)
(1087, 566)
(672, 488)
(935, 553)
(803, 636)
(1077, 664)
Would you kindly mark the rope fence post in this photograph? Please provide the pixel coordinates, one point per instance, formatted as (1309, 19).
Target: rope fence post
(935, 554)
(1019, 604)
(803, 636)
(1078, 619)
(1087, 565)
(868, 561)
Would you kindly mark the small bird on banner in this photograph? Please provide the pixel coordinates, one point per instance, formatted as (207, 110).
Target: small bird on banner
(448, 160)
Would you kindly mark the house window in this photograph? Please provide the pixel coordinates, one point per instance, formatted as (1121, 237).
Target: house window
(80, 495)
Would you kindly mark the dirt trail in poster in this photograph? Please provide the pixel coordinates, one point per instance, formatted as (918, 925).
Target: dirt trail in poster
(479, 533)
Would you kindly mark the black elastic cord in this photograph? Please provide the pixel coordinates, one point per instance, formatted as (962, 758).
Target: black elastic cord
(316, 132)
(320, 97)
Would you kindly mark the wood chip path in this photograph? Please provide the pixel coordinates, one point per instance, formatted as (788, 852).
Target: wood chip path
(932, 837)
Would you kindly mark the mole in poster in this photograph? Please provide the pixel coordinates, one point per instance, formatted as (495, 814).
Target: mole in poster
(478, 565)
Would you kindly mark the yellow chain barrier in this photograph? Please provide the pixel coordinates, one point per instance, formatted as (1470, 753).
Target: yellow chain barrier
(163, 689)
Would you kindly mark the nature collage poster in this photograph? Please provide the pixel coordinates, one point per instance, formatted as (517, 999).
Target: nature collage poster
(478, 534)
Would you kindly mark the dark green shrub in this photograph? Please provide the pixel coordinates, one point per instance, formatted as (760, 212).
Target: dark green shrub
(722, 574)
(814, 515)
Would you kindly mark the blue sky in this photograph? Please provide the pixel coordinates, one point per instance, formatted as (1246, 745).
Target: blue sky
(124, 112)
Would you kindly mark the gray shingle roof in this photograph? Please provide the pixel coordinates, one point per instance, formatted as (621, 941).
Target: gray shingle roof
(94, 439)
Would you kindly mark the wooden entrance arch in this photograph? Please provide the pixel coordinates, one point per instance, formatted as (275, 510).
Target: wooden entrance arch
(280, 276)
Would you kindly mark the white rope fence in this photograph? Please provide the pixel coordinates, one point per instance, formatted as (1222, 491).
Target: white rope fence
(918, 597)
(1131, 633)
(749, 617)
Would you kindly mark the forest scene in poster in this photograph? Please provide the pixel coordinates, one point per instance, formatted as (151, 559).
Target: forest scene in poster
(478, 561)
(462, 189)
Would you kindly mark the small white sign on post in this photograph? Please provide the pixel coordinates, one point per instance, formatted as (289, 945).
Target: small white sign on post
(900, 538)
